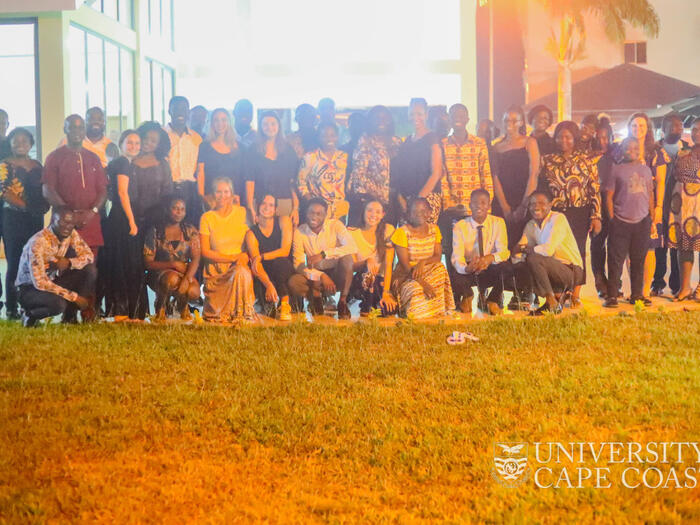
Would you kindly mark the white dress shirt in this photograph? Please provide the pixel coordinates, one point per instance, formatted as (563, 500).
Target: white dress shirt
(465, 241)
(553, 239)
(333, 239)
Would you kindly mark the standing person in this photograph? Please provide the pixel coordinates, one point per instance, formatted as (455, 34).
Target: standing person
(220, 156)
(439, 121)
(52, 281)
(243, 117)
(479, 255)
(605, 153)
(420, 280)
(488, 131)
(171, 254)
(74, 177)
(418, 164)
(629, 199)
(571, 177)
(198, 120)
(322, 253)
(304, 139)
(357, 126)
(117, 229)
(326, 111)
(5, 148)
(271, 168)
(374, 261)
(23, 207)
(684, 217)
(323, 172)
(552, 257)
(673, 145)
(657, 159)
(541, 118)
(269, 243)
(144, 185)
(184, 150)
(372, 165)
(586, 139)
(228, 282)
(95, 139)
(517, 158)
(467, 167)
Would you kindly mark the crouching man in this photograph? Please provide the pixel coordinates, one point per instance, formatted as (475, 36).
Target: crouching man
(56, 272)
(479, 255)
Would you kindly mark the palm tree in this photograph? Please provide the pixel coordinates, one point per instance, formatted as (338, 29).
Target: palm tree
(567, 42)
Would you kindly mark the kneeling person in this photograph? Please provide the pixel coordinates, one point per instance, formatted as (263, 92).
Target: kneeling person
(479, 254)
(56, 272)
(552, 257)
(322, 252)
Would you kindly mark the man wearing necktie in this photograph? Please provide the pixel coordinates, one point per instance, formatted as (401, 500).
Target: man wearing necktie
(479, 255)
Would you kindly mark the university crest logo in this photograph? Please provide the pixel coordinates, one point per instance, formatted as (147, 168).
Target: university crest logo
(510, 464)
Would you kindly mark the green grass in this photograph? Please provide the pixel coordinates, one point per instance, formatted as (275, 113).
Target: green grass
(311, 423)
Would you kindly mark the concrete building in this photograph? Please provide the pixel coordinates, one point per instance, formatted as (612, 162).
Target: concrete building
(62, 56)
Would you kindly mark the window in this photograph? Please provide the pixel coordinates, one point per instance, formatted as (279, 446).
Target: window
(102, 74)
(160, 20)
(635, 52)
(159, 84)
(18, 63)
(119, 10)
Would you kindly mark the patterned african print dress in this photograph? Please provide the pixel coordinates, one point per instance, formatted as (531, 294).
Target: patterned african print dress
(684, 222)
(412, 300)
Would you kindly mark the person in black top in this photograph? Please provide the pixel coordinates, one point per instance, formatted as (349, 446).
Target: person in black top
(305, 139)
(220, 157)
(541, 118)
(418, 164)
(269, 243)
(586, 139)
(271, 167)
(23, 207)
(357, 125)
(439, 121)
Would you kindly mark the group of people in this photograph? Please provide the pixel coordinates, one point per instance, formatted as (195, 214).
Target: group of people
(210, 212)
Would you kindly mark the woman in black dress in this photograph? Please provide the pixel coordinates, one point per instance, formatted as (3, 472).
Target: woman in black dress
(418, 164)
(220, 157)
(269, 243)
(517, 163)
(271, 168)
(541, 118)
(23, 207)
(143, 185)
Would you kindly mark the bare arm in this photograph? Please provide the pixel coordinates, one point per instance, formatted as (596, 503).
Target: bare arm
(533, 153)
(213, 256)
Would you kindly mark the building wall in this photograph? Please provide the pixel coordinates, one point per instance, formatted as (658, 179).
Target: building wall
(672, 53)
(56, 58)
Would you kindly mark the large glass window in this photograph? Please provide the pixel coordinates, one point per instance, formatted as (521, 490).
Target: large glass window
(160, 19)
(119, 10)
(160, 86)
(102, 75)
(18, 66)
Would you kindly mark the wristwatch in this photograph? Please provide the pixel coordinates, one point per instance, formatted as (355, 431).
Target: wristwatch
(323, 254)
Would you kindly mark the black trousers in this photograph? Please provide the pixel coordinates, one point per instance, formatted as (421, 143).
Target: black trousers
(19, 227)
(625, 240)
(446, 222)
(549, 275)
(279, 271)
(493, 277)
(599, 254)
(580, 222)
(39, 304)
(674, 279)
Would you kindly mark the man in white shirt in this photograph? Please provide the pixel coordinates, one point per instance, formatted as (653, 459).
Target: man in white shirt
(479, 254)
(322, 253)
(552, 258)
(184, 151)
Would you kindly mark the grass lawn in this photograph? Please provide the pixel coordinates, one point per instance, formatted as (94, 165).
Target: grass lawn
(309, 423)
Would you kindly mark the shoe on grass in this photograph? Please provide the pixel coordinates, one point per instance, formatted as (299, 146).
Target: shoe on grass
(343, 310)
(493, 308)
(645, 300)
(28, 321)
(610, 302)
(285, 311)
